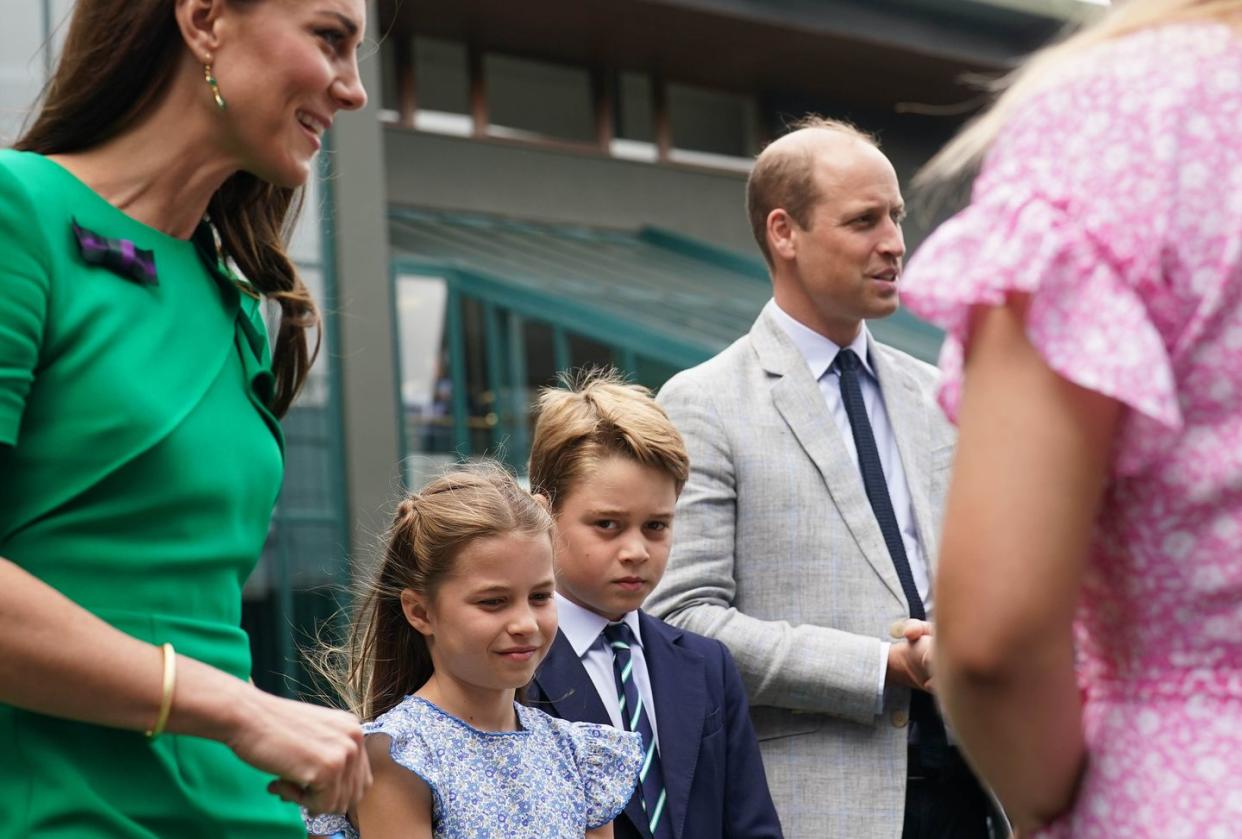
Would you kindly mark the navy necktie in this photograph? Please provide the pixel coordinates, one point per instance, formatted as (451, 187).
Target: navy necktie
(634, 716)
(847, 364)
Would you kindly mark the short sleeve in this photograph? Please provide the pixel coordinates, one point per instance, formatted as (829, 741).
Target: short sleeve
(332, 825)
(1080, 206)
(1086, 316)
(608, 760)
(24, 296)
(408, 750)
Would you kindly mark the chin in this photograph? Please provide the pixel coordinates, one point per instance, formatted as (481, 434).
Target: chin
(288, 174)
(884, 308)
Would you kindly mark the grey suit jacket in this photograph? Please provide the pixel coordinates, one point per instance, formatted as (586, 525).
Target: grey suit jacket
(776, 552)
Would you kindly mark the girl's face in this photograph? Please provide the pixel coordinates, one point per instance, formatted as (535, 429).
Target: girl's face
(492, 620)
(285, 67)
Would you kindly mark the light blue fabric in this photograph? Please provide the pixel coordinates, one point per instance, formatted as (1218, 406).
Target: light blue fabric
(550, 780)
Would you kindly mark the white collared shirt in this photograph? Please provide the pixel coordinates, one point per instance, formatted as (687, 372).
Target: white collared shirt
(819, 353)
(583, 628)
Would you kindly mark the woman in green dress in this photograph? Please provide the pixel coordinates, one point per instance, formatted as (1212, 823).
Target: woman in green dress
(140, 450)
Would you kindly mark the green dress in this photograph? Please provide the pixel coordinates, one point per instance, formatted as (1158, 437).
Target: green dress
(139, 465)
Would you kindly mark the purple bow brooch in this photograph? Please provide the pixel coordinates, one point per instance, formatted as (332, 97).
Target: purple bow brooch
(118, 255)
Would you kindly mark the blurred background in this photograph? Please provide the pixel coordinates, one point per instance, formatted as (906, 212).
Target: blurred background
(547, 185)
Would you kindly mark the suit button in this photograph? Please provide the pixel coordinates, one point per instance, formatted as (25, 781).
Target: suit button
(900, 718)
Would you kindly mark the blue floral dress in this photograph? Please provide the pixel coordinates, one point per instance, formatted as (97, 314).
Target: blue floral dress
(551, 779)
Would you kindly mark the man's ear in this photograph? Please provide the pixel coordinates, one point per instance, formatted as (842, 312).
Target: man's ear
(414, 607)
(780, 231)
(198, 21)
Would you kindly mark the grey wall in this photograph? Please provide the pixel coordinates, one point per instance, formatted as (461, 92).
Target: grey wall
(559, 186)
(554, 185)
(28, 25)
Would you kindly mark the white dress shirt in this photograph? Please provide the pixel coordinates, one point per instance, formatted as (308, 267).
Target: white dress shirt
(583, 628)
(819, 353)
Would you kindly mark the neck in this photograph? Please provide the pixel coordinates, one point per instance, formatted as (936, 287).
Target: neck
(486, 709)
(841, 332)
(163, 171)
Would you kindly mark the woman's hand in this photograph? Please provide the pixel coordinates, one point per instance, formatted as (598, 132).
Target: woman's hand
(317, 753)
(58, 659)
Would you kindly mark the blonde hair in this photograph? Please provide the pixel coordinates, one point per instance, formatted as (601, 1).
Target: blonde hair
(786, 179)
(1045, 67)
(593, 416)
(384, 658)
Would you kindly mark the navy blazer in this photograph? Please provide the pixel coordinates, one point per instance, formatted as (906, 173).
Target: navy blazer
(713, 775)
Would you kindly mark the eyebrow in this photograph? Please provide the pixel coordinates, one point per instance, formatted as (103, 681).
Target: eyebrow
(503, 589)
(616, 514)
(346, 21)
(496, 589)
(867, 206)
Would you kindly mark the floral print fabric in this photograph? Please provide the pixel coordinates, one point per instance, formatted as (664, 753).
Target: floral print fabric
(550, 780)
(1114, 199)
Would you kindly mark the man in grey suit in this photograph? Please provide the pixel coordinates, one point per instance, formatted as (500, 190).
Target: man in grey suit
(806, 536)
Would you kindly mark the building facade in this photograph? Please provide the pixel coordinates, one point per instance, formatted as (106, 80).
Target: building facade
(545, 186)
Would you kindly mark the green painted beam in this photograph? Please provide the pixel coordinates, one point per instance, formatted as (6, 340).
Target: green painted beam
(604, 326)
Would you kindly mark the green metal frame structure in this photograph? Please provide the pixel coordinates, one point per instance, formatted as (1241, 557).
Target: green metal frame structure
(296, 612)
(519, 272)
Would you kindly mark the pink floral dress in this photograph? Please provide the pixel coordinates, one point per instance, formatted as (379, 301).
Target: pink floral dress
(1114, 199)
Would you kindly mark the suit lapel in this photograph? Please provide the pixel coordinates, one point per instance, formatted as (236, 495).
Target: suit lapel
(909, 414)
(566, 687)
(798, 400)
(680, 696)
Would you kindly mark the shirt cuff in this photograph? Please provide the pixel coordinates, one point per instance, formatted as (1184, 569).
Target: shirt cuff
(879, 700)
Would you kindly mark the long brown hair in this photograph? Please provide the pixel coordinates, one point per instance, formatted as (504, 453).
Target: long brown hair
(384, 658)
(118, 60)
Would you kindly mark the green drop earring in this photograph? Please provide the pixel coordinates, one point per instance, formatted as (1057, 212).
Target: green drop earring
(210, 78)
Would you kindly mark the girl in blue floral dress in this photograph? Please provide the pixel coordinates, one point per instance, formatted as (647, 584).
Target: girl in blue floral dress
(459, 618)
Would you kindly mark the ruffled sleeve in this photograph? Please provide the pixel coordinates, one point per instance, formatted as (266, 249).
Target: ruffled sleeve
(608, 760)
(1074, 208)
(409, 749)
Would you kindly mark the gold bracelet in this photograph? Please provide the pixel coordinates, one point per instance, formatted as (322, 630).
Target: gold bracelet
(170, 682)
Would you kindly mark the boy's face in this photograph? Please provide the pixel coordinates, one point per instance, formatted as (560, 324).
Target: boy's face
(614, 530)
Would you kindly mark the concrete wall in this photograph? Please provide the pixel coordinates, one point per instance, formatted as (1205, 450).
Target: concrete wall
(28, 26)
(548, 184)
(457, 173)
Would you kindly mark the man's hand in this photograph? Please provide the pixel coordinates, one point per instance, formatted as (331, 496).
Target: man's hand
(910, 656)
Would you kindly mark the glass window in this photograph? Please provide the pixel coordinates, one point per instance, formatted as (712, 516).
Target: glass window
(653, 373)
(711, 121)
(426, 376)
(536, 99)
(441, 76)
(634, 108)
(586, 353)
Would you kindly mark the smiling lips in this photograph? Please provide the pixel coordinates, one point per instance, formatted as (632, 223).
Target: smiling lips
(519, 653)
(314, 125)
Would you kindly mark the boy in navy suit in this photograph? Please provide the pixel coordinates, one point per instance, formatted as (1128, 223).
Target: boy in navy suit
(611, 465)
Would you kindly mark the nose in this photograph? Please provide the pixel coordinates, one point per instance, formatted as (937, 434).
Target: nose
(347, 89)
(893, 242)
(523, 622)
(634, 550)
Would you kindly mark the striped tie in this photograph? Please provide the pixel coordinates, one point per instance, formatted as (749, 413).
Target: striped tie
(634, 716)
